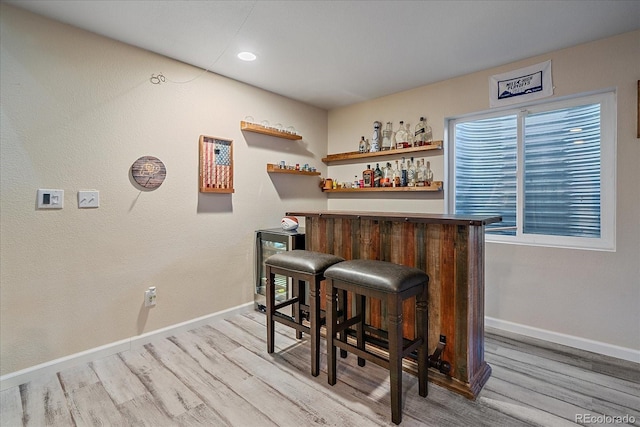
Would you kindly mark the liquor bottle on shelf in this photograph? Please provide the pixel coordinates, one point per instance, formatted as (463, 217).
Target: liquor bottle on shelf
(428, 133)
(363, 146)
(387, 176)
(411, 174)
(420, 173)
(367, 177)
(428, 174)
(375, 138)
(403, 173)
(409, 135)
(419, 133)
(397, 176)
(387, 137)
(377, 176)
(401, 136)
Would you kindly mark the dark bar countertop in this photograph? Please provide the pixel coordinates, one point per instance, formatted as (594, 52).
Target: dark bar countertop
(473, 220)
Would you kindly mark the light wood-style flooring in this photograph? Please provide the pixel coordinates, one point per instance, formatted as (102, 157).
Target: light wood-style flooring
(221, 375)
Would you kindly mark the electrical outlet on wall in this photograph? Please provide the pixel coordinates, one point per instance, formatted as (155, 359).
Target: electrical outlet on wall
(150, 297)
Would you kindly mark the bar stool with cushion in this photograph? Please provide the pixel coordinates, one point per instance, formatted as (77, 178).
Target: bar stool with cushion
(302, 266)
(391, 283)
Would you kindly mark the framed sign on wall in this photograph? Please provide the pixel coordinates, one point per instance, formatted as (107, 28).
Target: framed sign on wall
(216, 165)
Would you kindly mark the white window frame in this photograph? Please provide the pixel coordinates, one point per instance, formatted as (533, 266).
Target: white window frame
(608, 155)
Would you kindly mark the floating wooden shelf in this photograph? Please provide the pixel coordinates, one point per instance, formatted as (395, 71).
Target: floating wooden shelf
(434, 187)
(271, 168)
(251, 127)
(436, 145)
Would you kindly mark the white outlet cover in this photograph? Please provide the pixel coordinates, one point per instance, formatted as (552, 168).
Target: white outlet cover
(88, 199)
(50, 199)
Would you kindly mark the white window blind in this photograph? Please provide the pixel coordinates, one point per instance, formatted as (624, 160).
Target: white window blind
(547, 169)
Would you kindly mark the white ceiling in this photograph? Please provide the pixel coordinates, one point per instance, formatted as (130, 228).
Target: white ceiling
(336, 53)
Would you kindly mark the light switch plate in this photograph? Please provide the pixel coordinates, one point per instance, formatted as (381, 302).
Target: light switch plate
(50, 199)
(88, 199)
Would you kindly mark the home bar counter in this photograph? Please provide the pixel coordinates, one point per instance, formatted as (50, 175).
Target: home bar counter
(450, 249)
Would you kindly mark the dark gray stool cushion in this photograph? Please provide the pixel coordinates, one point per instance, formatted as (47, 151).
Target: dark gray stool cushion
(302, 261)
(381, 275)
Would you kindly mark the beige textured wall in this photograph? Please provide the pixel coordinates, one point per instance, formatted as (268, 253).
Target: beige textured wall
(77, 110)
(591, 295)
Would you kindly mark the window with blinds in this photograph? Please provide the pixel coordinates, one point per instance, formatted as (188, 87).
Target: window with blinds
(547, 169)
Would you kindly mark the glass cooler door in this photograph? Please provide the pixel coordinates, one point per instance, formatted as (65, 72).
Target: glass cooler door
(271, 242)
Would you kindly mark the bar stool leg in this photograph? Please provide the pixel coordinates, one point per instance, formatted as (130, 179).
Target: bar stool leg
(422, 320)
(271, 296)
(332, 317)
(314, 320)
(360, 311)
(394, 322)
(342, 301)
(296, 311)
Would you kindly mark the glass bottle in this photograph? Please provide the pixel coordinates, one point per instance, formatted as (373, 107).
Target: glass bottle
(396, 176)
(377, 176)
(362, 146)
(428, 133)
(420, 173)
(428, 175)
(419, 133)
(387, 137)
(375, 138)
(387, 176)
(401, 136)
(411, 174)
(367, 177)
(403, 173)
(409, 135)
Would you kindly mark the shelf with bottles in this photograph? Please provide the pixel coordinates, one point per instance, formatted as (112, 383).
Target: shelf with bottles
(271, 168)
(266, 130)
(356, 155)
(434, 186)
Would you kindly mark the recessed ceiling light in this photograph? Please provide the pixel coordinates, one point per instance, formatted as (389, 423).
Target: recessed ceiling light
(247, 56)
(574, 130)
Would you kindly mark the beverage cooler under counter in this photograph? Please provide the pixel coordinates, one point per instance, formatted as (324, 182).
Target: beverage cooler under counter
(270, 242)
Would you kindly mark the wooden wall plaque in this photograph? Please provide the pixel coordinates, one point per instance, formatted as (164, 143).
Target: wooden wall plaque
(216, 165)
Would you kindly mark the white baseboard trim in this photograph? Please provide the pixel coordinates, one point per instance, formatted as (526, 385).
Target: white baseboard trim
(23, 376)
(618, 352)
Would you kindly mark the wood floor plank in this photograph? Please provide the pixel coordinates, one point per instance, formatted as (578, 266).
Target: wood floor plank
(77, 377)
(527, 414)
(10, 407)
(607, 365)
(121, 384)
(172, 395)
(572, 389)
(561, 369)
(572, 393)
(523, 404)
(144, 411)
(44, 403)
(91, 405)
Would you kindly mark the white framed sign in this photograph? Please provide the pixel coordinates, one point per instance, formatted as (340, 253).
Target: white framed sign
(523, 85)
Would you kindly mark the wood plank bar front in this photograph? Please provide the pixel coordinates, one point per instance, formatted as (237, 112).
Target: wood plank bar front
(450, 248)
